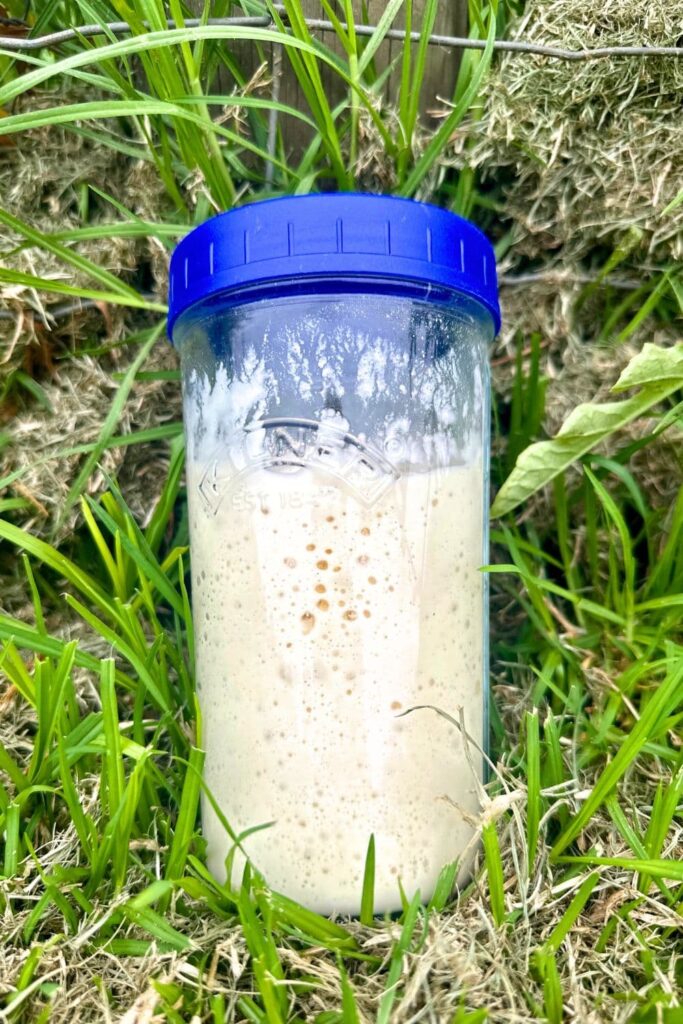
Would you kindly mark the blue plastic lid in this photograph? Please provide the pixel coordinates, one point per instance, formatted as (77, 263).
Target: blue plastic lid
(331, 235)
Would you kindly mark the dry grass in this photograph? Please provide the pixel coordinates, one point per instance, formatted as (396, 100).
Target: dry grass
(43, 177)
(80, 392)
(592, 150)
(588, 157)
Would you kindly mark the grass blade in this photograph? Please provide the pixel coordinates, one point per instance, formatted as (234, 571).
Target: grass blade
(12, 841)
(553, 1001)
(291, 915)
(51, 686)
(533, 770)
(349, 1007)
(444, 887)
(187, 816)
(399, 951)
(139, 552)
(113, 780)
(35, 595)
(82, 824)
(367, 903)
(571, 914)
(657, 867)
(110, 423)
(494, 870)
(377, 38)
(666, 695)
(45, 554)
(168, 937)
(665, 807)
(48, 284)
(167, 499)
(66, 255)
(627, 589)
(440, 139)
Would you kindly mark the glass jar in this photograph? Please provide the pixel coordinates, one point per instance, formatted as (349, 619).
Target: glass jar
(336, 406)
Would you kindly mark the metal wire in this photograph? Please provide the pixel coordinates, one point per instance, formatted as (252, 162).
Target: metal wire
(118, 28)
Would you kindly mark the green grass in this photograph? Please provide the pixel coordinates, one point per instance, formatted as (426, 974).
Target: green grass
(170, 113)
(134, 762)
(108, 773)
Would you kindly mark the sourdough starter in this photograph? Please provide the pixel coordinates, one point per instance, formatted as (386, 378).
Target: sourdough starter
(319, 622)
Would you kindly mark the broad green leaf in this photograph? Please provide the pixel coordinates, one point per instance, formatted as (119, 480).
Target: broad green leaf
(653, 365)
(658, 372)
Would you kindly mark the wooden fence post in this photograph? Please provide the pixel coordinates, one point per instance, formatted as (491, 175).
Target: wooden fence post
(440, 77)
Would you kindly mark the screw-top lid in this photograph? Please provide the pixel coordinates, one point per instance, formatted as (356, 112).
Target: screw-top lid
(332, 235)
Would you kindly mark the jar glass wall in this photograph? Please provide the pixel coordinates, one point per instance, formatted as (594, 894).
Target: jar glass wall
(337, 468)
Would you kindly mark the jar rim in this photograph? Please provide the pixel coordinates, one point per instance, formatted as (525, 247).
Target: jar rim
(329, 287)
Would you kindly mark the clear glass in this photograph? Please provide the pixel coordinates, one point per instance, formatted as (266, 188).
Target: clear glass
(337, 466)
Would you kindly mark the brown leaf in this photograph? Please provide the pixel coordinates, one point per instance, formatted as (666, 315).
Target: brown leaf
(37, 359)
(14, 27)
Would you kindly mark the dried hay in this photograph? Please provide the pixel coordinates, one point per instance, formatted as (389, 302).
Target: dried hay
(80, 393)
(588, 156)
(592, 150)
(42, 177)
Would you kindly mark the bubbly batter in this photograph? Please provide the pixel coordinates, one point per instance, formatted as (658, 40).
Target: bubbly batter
(319, 622)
